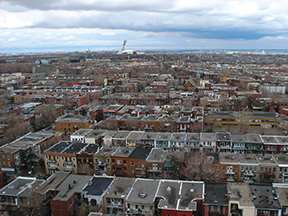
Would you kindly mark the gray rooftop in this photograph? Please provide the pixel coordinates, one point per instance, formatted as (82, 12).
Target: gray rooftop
(263, 196)
(240, 193)
(135, 135)
(123, 151)
(72, 118)
(265, 159)
(121, 134)
(18, 186)
(143, 191)
(229, 158)
(247, 159)
(168, 192)
(157, 155)
(191, 191)
(120, 187)
(72, 184)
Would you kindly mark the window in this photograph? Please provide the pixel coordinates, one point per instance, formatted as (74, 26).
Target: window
(236, 168)
(63, 159)
(119, 162)
(136, 206)
(108, 160)
(74, 159)
(58, 164)
(96, 161)
(113, 161)
(132, 163)
(132, 170)
(57, 158)
(124, 162)
(47, 157)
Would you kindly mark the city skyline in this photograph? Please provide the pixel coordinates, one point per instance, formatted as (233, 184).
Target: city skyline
(29, 26)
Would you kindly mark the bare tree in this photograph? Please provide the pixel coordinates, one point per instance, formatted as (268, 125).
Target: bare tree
(45, 116)
(202, 166)
(17, 128)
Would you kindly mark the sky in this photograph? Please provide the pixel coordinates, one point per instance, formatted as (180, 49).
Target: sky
(75, 25)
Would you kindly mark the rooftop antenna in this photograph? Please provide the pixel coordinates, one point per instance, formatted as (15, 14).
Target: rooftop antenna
(123, 47)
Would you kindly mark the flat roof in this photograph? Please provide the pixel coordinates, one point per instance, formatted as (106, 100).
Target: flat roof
(247, 159)
(143, 191)
(52, 182)
(72, 118)
(140, 153)
(240, 192)
(263, 196)
(265, 159)
(120, 187)
(216, 194)
(156, 154)
(135, 135)
(169, 193)
(191, 191)
(97, 185)
(123, 151)
(17, 186)
(72, 184)
(121, 135)
(230, 158)
(82, 132)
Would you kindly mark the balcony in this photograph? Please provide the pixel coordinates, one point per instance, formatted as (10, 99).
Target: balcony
(140, 168)
(229, 172)
(139, 211)
(115, 205)
(248, 173)
(67, 162)
(154, 170)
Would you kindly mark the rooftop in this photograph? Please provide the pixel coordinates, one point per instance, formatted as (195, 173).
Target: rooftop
(120, 187)
(71, 185)
(97, 185)
(143, 191)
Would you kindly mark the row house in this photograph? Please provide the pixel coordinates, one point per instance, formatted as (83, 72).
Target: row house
(18, 193)
(215, 199)
(179, 197)
(25, 152)
(62, 157)
(71, 123)
(102, 160)
(120, 161)
(274, 144)
(111, 110)
(155, 163)
(223, 142)
(85, 159)
(210, 142)
(234, 119)
(64, 195)
(114, 200)
(137, 161)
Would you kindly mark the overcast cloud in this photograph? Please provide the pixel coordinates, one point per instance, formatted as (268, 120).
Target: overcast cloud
(101, 24)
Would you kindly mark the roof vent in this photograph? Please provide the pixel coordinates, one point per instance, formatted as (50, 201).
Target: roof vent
(142, 195)
(191, 190)
(168, 189)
